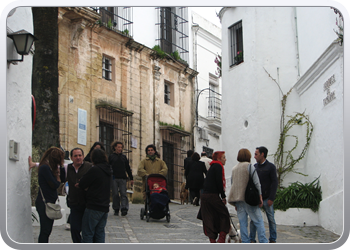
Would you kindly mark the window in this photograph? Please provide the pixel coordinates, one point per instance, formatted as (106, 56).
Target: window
(169, 93)
(236, 44)
(107, 68)
(106, 135)
(173, 30)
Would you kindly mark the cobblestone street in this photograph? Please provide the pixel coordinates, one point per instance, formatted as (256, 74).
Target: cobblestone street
(182, 228)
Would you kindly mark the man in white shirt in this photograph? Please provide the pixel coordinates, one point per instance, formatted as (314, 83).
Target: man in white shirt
(205, 159)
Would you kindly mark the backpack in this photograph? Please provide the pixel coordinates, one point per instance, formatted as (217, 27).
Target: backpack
(252, 196)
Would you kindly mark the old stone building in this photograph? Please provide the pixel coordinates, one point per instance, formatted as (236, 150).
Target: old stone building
(112, 87)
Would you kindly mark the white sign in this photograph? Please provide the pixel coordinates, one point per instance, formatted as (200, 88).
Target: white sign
(82, 114)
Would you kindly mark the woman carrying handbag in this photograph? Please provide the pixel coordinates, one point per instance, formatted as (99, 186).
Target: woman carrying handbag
(49, 177)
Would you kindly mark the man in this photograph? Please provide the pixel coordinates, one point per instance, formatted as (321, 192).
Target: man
(76, 196)
(151, 165)
(120, 166)
(205, 159)
(268, 179)
(188, 161)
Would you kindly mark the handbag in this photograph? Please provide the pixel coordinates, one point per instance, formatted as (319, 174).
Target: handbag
(53, 211)
(252, 196)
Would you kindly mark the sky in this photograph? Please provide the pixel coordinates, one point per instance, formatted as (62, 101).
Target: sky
(209, 13)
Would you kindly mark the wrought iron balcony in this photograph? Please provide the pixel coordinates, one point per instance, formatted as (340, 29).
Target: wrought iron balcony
(173, 30)
(214, 107)
(116, 18)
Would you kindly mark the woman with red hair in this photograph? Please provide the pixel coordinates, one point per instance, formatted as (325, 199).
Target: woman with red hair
(213, 211)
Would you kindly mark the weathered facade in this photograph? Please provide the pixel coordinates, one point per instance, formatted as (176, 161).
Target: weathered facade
(112, 87)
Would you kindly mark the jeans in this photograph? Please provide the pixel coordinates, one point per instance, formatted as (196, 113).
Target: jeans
(45, 223)
(94, 223)
(120, 202)
(76, 219)
(270, 213)
(243, 210)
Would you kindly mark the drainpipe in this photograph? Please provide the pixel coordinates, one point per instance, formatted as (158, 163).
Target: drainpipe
(195, 28)
(297, 41)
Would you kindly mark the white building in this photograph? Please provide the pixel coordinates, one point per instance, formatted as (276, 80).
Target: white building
(206, 41)
(19, 131)
(294, 47)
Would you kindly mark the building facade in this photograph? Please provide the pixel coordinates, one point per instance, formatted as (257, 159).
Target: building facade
(113, 87)
(206, 41)
(267, 52)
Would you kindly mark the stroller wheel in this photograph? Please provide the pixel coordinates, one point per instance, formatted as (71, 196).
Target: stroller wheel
(147, 217)
(168, 217)
(142, 213)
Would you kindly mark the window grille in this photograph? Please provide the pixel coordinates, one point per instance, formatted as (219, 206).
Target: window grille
(173, 30)
(236, 43)
(107, 68)
(167, 93)
(116, 18)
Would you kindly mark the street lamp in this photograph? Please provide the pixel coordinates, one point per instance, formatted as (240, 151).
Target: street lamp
(23, 41)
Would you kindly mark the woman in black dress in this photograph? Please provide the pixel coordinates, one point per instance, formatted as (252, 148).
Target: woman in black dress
(213, 212)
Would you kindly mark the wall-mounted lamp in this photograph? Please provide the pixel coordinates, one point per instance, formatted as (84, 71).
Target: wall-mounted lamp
(23, 41)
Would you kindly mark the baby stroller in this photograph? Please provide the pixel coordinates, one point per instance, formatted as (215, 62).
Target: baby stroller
(157, 203)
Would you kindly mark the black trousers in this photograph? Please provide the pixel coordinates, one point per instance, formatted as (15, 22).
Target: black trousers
(195, 192)
(45, 223)
(76, 221)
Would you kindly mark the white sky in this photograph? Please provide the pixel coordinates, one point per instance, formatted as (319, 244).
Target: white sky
(209, 13)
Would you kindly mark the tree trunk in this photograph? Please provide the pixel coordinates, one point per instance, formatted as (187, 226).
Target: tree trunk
(45, 78)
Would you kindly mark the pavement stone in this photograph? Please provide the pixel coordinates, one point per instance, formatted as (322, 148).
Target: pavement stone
(183, 227)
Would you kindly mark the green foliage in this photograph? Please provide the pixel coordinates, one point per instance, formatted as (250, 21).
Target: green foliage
(283, 158)
(175, 55)
(299, 195)
(160, 53)
(172, 125)
(125, 32)
(109, 24)
(34, 183)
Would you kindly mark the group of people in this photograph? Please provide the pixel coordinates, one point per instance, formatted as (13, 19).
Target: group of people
(90, 180)
(213, 211)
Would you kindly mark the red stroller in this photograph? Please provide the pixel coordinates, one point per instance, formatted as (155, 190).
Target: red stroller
(157, 203)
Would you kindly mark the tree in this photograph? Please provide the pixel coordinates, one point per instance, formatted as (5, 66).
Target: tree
(45, 78)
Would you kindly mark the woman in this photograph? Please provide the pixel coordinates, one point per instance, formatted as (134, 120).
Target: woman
(239, 179)
(96, 145)
(49, 179)
(195, 178)
(97, 181)
(213, 211)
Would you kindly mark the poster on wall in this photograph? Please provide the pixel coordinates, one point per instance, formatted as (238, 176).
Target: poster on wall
(82, 126)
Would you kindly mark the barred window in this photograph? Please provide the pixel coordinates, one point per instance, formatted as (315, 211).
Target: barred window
(107, 68)
(236, 43)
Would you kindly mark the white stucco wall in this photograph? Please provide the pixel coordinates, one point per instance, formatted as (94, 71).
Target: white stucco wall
(206, 43)
(249, 94)
(19, 129)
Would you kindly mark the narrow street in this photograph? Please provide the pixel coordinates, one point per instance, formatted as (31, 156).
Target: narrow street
(182, 228)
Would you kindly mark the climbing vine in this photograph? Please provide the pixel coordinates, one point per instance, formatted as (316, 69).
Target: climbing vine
(283, 157)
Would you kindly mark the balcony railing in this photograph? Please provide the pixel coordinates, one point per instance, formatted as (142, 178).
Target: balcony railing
(116, 18)
(214, 107)
(173, 30)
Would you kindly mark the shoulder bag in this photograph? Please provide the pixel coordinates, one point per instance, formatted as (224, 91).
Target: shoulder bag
(252, 196)
(53, 211)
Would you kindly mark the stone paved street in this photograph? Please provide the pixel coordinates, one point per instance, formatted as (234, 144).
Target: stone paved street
(182, 228)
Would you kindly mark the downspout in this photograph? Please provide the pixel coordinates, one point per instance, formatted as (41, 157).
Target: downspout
(195, 28)
(297, 41)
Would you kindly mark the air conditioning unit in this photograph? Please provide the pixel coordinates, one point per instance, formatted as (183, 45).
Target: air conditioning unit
(203, 134)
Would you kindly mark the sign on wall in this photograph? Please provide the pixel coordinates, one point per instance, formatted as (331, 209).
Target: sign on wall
(82, 114)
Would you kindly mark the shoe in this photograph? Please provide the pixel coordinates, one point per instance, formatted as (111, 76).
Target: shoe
(67, 226)
(252, 241)
(124, 213)
(272, 241)
(194, 202)
(116, 212)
